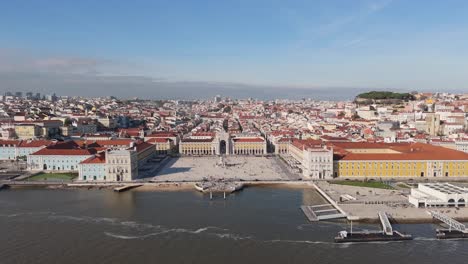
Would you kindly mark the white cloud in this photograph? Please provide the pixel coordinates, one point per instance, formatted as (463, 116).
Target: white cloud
(379, 5)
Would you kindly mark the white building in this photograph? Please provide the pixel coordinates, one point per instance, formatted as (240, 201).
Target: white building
(122, 165)
(316, 159)
(58, 159)
(462, 145)
(438, 194)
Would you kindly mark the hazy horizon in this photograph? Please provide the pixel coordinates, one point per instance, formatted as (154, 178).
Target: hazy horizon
(261, 49)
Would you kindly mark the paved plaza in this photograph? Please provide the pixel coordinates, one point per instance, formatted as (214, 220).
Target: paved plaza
(237, 167)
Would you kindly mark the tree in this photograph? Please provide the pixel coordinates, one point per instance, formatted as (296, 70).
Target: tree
(67, 122)
(227, 109)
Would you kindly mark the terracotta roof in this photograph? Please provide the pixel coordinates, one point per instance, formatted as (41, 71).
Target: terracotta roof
(280, 133)
(257, 139)
(10, 142)
(306, 143)
(203, 134)
(71, 144)
(360, 145)
(113, 142)
(330, 138)
(158, 140)
(35, 143)
(96, 159)
(65, 152)
(143, 146)
(414, 151)
(161, 134)
(197, 140)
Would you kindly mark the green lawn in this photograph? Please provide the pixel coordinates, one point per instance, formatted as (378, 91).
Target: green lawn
(369, 184)
(53, 176)
(403, 185)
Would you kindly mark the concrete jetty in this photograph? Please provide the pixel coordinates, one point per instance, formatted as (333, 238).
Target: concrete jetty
(309, 213)
(323, 211)
(126, 187)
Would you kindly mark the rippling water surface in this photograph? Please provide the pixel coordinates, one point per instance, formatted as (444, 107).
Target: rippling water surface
(257, 225)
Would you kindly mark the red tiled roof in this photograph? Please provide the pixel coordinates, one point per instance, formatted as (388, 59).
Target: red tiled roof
(414, 151)
(330, 138)
(96, 159)
(203, 134)
(65, 152)
(306, 143)
(71, 144)
(257, 139)
(279, 133)
(143, 146)
(113, 142)
(360, 145)
(161, 134)
(35, 143)
(10, 142)
(158, 140)
(197, 140)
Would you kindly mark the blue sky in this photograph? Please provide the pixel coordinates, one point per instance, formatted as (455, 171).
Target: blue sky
(375, 44)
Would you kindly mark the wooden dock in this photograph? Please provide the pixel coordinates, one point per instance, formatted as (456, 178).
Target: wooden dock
(126, 187)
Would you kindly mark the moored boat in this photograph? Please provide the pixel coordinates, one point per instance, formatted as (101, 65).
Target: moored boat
(370, 236)
(450, 234)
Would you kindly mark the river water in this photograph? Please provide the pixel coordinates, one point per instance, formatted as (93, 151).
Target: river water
(256, 225)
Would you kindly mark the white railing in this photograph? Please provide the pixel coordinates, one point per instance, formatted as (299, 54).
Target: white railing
(387, 227)
(452, 223)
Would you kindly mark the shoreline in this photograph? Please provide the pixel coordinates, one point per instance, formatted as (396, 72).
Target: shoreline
(399, 221)
(395, 218)
(147, 186)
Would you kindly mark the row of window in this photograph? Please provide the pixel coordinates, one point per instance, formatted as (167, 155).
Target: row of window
(413, 173)
(94, 178)
(118, 161)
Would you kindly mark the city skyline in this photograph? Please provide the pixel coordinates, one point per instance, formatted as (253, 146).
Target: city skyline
(269, 49)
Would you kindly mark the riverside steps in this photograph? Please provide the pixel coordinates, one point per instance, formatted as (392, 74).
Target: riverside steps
(126, 187)
(323, 211)
(309, 213)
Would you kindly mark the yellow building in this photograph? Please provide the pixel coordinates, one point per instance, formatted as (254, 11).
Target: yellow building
(195, 146)
(417, 160)
(249, 146)
(162, 145)
(282, 145)
(27, 131)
